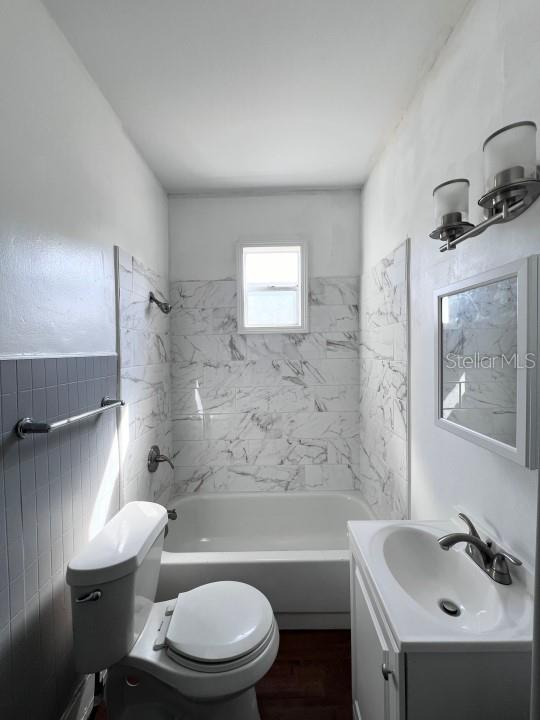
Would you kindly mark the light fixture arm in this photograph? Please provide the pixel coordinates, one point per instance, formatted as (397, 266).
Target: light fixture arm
(507, 213)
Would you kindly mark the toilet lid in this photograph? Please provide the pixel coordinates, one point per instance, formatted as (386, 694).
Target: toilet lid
(220, 621)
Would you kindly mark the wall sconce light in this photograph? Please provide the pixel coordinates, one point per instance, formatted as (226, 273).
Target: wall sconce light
(451, 201)
(511, 186)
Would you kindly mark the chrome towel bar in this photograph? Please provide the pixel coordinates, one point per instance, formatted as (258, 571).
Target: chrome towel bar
(29, 426)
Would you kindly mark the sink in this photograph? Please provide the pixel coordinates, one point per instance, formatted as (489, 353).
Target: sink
(412, 575)
(428, 575)
(433, 636)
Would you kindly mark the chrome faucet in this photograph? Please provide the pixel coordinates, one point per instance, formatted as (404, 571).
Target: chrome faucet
(493, 562)
(171, 515)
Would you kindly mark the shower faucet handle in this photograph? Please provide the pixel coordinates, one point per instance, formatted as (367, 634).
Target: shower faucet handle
(155, 457)
(164, 458)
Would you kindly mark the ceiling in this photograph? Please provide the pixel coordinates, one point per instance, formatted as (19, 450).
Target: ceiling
(229, 94)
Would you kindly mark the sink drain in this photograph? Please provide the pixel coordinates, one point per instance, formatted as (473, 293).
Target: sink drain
(449, 607)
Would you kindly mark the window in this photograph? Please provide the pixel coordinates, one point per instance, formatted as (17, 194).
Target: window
(272, 287)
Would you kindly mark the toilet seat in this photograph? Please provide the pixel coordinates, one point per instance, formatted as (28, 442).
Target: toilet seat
(222, 667)
(193, 679)
(219, 626)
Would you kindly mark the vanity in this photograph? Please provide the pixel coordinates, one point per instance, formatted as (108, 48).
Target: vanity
(433, 636)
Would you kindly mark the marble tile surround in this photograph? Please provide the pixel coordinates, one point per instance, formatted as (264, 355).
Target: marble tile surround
(144, 349)
(268, 411)
(55, 491)
(383, 402)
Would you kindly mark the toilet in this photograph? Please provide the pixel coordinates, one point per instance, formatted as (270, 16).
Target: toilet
(194, 657)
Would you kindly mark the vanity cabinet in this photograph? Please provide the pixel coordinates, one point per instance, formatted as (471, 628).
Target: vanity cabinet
(377, 675)
(395, 681)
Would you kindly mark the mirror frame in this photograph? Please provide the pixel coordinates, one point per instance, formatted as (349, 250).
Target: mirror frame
(527, 449)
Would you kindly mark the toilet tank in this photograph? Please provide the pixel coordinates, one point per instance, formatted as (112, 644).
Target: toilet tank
(113, 584)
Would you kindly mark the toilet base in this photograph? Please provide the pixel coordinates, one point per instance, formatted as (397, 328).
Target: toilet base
(134, 695)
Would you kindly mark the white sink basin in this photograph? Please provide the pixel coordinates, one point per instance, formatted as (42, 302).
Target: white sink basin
(412, 574)
(428, 575)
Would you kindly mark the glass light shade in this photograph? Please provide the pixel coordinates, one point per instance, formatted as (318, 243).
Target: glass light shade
(451, 202)
(510, 155)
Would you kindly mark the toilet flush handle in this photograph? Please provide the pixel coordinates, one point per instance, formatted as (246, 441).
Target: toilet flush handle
(92, 596)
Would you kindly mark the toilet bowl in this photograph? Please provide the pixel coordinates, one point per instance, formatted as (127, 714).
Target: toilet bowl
(196, 657)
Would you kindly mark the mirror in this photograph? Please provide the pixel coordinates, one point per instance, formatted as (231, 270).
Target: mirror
(486, 360)
(479, 359)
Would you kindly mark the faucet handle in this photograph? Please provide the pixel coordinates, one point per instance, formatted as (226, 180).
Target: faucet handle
(499, 567)
(164, 458)
(473, 531)
(508, 556)
(155, 457)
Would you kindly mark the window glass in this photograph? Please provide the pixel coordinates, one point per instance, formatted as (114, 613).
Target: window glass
(271, 287)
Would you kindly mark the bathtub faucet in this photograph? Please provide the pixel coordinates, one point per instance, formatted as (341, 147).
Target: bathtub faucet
(172, 515)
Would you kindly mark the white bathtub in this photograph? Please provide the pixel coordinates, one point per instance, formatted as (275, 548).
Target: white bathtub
(292, 546)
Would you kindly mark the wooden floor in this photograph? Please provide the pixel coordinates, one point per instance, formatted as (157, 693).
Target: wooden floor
(310, 679)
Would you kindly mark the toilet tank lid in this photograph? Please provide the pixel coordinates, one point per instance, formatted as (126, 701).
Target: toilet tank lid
(120, 547)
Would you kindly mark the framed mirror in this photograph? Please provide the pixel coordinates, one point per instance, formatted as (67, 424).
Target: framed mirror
(486, 360)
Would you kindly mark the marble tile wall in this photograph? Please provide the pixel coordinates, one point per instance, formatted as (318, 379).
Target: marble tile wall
(56, 491)
(268, 411)
(144, 351)
(383, 404)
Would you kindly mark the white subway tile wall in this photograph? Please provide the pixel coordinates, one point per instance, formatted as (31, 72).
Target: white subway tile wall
(55, 491)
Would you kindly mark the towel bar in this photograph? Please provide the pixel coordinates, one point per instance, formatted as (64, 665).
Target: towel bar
(29, 426)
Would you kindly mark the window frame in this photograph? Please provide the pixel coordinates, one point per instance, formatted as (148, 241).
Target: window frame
(304, 290)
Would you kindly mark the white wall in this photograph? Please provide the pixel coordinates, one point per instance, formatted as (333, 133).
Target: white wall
(71, 186)
(204, 231)
(487, 76)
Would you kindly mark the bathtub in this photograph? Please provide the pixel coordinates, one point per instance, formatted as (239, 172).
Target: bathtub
(292, 546)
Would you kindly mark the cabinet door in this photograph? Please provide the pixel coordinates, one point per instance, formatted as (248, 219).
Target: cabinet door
(370, 656)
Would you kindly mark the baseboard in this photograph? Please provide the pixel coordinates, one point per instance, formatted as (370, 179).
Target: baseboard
(82, 702)
(313, 621)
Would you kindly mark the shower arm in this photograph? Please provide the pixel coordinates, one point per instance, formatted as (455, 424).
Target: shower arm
(164, 306)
